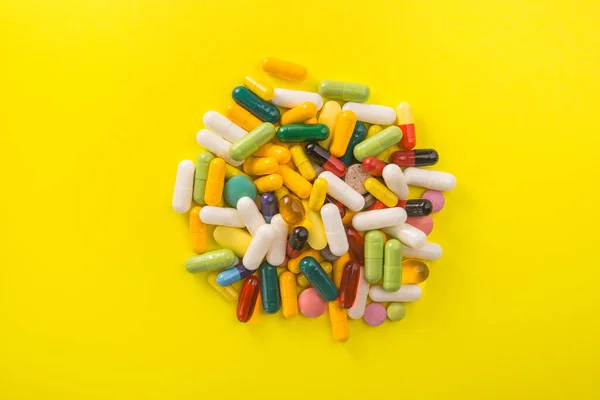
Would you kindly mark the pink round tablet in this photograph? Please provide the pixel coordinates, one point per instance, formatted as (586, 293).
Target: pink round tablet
(424, 224)
(311, 305)
(436, 198)
(375, 314)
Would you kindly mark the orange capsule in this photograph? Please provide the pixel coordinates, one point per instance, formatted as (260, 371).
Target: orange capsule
(311, 121)
(197, 231)
(299, 113)
(260, 165)
(215, 181)
(242, 117)
(343, 132)
(284, 69)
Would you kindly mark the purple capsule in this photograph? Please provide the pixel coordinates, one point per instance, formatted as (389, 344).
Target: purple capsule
(268, 204)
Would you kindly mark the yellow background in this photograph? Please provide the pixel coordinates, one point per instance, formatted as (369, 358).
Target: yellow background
(99, 101)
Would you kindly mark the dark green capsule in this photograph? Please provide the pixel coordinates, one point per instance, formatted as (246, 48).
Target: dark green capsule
(269, 288)
(263, 110)
(358, 135)
(295, 133)
(318, 278)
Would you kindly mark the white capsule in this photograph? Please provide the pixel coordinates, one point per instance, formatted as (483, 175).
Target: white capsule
(408, 235)
(184, 186)
(406, 293)
(276, 254)
(259, 246)
(222, 126)
(395, 180)
(341, 191)
(377, 219)
(224, 216)
(372, 113)
(334, 229)
(217, 145)
(292, 98)
(431, 251)
(430, 179)
(250, 214)
(358, 308)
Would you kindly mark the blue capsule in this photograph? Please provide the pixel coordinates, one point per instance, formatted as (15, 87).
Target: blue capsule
(233, 274)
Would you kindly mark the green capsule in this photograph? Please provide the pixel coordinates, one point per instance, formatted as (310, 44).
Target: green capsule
(269, 288)
(237, 187)
(392, 266)
(263, 110)
(374, 242)
(250, 143)
(295, 133)
(396, 311)
(358, 135)
(318, 278)
(345, 91)
(378, 143)
(201, 173)
(218, 259)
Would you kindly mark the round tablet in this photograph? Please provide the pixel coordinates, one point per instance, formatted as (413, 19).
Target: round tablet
(311, 305)
(424, 224)
(375, 314)
(356, 177)
(436, 198)
(396, 311)
(238, 187)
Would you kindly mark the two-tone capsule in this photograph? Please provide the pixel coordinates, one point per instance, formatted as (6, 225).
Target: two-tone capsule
(324, 159)
(297, 241)
(405, 121)
(233, 274)
(268, 206)
(415, 158)
(358, 135)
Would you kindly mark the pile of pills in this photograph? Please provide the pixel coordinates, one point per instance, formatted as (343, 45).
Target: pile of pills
(312, 202)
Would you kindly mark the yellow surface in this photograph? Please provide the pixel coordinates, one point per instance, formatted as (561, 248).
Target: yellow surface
(99, 101)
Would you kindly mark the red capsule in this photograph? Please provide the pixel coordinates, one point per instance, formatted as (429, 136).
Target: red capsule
(409, 138)
(335, 166)
(357, 245)
(349, 284)
(373, 166)
(247, 299)
(338, 204)
(377, 205)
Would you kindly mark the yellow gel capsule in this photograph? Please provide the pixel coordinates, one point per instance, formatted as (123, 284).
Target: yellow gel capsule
(317, 195)
(302, 162)
(228, 292)
(347, 220)
(414, 271)
(294, 263)
(373, 130)
(231, 171)
(294, 181)
(234, 239)
(338, 268)
(387, 153)
(280, 153)
(284, 69)
(312, 121)
(304, 282)
(269, 183)
(289, 296)
(197, 231)
(343, 132)
(260, 166)
(299, 114)
(329, 115)
(317, 238)
(213, 194)
(281, 192)
(242, 117)
(339, 322)
(381, 192)
(263, 91)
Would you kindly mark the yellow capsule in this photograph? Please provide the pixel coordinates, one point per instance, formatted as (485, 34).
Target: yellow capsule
(317, 195)
(294, 263)
(269, 183)
(280, 153)
(231, 171)
(374, 130)
(235, 239)
(284, 69)
(387, 153)
(347, 220)
(228, 292)
(343, 132)
(339, 322)
(260, 166)
(242, 117)
(299, 114)
(281, 192)
(381, 192)
(289, 296)
(414, 271)
(329, 115)
(317, 238)
(304, 282)
(302, 162)
(263, 91)
(338, 268)
(215, 180)
(197, 231)
(295, 182)
(312, 121)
